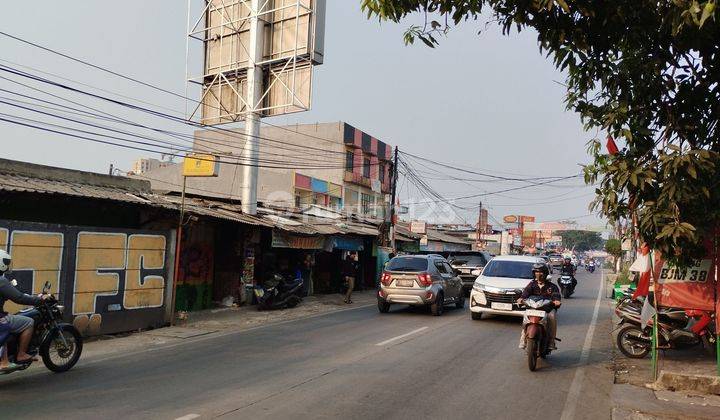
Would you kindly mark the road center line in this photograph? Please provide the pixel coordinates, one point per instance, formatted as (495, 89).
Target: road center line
(568, 412)
(399, 337)
(188, 417)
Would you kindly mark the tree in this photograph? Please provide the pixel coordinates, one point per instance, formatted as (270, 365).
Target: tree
(614, 248)
(645, 72)
(580, 240)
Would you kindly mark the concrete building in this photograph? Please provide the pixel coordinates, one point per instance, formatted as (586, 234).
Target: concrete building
(330, 164)
(145, 165)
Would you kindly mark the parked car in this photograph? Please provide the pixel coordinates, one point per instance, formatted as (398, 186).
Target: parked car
(420, 280)
(501, 283)
(469, 265)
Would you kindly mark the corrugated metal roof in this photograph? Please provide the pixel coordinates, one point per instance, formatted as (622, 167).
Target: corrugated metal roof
(22, 183)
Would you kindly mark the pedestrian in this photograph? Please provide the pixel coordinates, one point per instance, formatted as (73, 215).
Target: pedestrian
(306, 273)
(350, 271)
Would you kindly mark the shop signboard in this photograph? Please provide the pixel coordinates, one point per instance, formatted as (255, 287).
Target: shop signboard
(418, 226)
(201, 165)
(286, 240)
(688, 288)
(510, 219)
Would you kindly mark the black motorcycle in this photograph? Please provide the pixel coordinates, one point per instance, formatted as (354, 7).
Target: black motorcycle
(566, 285)
(279, 293)
(58, 343)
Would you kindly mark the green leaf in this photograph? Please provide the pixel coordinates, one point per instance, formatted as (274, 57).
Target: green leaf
(708, 11)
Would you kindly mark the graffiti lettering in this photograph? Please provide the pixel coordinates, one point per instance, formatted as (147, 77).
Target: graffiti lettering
(144, 252)
(41, 253)
(100, 257)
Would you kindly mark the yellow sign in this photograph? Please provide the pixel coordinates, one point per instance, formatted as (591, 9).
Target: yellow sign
(201, 165)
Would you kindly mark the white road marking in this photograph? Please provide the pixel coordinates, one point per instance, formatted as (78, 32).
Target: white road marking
(568, 412)
(188, 417)
(399, 337)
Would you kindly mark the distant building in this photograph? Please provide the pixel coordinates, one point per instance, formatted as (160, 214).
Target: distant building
(145, 165)
(333, 165)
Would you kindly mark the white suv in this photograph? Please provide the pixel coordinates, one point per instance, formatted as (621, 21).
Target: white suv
(500, 284)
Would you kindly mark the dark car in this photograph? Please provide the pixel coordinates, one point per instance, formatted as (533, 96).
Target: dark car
(469, 265)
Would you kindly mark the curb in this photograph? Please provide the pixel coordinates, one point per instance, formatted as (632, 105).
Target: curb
(674, 381)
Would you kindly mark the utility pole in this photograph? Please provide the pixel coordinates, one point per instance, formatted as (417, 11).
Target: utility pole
(478, 230)
(251, 150)
(391, 231)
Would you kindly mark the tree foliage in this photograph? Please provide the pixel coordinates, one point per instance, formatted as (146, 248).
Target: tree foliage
(580, 240)
(613, 247)
(646, 73)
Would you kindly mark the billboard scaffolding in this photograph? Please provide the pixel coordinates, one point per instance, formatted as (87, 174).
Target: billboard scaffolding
(290, 42)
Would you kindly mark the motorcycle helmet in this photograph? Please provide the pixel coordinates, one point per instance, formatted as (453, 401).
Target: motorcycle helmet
(539, 267)
(568, 260)
(5, 260)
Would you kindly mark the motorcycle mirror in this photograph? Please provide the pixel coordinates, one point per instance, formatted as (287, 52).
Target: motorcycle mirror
(549, 277)
(46, 287)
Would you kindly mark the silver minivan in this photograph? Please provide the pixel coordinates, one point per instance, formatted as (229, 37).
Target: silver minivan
(420, 280)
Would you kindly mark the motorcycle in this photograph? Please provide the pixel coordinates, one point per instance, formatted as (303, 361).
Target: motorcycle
(59, 344)
(590, 267)
(279, 293)
(535, 327)
(677, 328)
(566, 285)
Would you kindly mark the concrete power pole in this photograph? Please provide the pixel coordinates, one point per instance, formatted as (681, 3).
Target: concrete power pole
(393, 194)
(479, 229)
(252, 121)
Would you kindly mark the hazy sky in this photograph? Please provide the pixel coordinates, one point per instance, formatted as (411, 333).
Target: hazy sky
(482, 102)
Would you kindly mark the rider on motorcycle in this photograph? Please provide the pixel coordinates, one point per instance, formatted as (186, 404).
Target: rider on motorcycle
(21, 325)
(568, 269)
(540, 286)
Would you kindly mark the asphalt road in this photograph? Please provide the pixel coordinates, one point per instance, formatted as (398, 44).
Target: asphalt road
(351, 364)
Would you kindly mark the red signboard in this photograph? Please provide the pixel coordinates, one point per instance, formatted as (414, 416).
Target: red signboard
(688, 288)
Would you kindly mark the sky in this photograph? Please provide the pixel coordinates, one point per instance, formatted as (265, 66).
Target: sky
(483, 102)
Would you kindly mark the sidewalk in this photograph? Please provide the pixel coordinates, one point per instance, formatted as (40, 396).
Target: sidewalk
(212, 323)
(684, 389)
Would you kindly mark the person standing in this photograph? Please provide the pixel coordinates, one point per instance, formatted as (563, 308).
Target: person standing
(351, 268)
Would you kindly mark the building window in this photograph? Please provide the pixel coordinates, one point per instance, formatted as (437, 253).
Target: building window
(366, 201)
(366, 168)
(349, 161)
(381, 173)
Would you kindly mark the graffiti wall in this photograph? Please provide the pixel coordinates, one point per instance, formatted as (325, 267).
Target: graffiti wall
(110, 280)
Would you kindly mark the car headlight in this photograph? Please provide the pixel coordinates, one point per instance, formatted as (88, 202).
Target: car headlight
(478, 287)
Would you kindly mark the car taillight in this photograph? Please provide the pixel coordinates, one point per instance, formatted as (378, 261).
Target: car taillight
(424, 279)
(386, 279)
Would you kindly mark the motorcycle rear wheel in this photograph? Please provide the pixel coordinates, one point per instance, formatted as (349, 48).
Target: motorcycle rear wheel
(566, 292)
(55, 355)
(531, 345)
(627, 346)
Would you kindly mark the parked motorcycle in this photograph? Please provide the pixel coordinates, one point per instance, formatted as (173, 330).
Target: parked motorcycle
(279, 293)
(566, 286)
(677, 328)
(58, 343)
(535, 327)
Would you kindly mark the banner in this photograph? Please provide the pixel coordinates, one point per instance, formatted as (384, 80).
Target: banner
(687, 288)
(286, 240)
